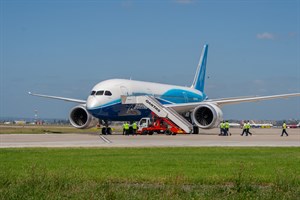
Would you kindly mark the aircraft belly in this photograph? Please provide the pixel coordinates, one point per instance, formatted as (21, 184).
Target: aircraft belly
(121, 112)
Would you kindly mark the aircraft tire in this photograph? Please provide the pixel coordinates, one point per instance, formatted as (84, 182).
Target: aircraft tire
(103, 131)
(195, 130)
(108, 131)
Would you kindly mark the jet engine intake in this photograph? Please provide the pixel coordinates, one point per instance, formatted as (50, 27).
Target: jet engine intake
(207, 115)
(80, 118)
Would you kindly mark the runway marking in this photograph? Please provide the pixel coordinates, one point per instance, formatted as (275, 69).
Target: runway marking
(105, 139)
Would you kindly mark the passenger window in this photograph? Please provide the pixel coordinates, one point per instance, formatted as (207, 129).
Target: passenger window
(100, 92)
(93, 92)
(108, 93)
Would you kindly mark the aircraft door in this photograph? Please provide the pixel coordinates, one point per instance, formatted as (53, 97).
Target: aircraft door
(124, 91)
(185, 96)
(149, 91)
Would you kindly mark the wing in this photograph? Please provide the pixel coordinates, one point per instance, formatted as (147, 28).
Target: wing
(59, 98)
(184, 107)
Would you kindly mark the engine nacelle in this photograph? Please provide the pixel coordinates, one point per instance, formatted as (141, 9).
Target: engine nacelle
(207, 115)
(80, 118)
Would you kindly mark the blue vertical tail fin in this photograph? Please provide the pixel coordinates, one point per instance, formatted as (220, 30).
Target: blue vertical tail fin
(199, 79)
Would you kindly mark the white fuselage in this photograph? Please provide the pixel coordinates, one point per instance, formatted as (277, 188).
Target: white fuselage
(105, 99)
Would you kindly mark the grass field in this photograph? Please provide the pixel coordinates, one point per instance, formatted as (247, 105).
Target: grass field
(150, 173)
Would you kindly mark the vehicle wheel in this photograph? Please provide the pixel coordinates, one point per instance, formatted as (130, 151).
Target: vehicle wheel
(144, 132)
(103, 131)
(168, 132)
(150, 133)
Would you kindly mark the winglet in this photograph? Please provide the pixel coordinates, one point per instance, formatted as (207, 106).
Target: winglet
(199, 79)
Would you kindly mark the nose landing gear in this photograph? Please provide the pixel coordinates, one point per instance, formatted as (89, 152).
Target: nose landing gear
(106, 130)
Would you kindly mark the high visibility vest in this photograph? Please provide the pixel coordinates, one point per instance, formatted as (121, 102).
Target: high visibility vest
(226, 125)
(222, 125)
(126, 126)
(248, 125)
(245, 126)
(134, 125)
(284, 126)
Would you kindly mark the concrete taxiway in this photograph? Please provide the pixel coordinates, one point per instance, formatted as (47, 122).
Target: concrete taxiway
(261, 137)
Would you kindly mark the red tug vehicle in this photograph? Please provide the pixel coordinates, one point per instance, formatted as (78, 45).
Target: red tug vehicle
(148, 126)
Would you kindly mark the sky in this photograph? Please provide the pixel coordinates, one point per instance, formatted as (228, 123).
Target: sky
(64, 48)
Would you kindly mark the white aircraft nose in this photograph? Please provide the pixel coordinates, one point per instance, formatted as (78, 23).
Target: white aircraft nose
(91, 102)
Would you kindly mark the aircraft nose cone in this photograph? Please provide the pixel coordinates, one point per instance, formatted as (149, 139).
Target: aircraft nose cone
(91, 103)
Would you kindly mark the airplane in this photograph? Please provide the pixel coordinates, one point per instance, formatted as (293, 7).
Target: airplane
(293, 125)
(266, 125)
(104, 104)
(234, 125)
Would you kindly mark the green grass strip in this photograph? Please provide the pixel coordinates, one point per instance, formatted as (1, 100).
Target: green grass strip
(150, 173)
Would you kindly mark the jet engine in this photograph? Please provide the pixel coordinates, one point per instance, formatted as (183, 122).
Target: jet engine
(207, 115)
(80, 118)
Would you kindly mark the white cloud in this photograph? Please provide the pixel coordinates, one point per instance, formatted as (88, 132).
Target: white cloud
(265, 36)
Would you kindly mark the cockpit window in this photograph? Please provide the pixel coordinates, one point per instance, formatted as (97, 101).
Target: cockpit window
(107, 93)
(93, 92)
(100, 92)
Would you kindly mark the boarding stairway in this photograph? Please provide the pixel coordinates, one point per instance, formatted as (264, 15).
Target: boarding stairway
(160, 110)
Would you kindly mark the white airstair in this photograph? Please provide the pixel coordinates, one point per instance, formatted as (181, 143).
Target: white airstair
(160, 110)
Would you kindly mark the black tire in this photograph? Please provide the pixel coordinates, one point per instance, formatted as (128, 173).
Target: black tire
(168, 132)
(108, 131)
(195, 130)
(144, 132)
(150, 133)
(103, 131)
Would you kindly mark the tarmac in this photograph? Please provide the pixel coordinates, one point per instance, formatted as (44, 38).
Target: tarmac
(207, 138)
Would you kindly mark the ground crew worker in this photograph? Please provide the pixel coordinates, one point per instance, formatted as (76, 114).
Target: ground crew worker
(284, 129)
(221, 128)
(134, 127)
(244, 129)
(226, 128)
(248, 129)
(126, 127)
(130, 132)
